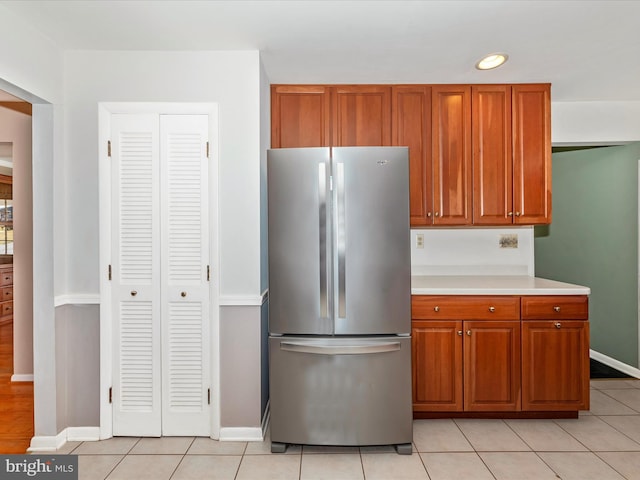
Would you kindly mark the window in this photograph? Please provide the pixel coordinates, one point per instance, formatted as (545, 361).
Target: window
(6, 198)
(6, 227)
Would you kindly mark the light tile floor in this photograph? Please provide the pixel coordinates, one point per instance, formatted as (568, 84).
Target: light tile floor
(603, 444)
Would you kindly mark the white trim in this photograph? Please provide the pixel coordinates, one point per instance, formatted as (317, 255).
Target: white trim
(22, 377)
(105, 110)
(613, 363)
(243, 300)
(241, 434)
(83, 434)
(247, 434)
(69, 434)
(266, 418)
(77, 299)
(49, 443)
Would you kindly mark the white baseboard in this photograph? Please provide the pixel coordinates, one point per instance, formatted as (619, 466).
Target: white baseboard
(70, 434)
(241, 434)
(48, 444)
(613, 363)
(83, 434)
(247, 434)
(22, 377)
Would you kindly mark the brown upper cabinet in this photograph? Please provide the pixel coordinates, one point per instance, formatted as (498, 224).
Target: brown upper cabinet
(321, 116)
(300, 116)
(478, 154)
(511, 154)
(361, 116)
(411, 120)
(451, 127)
(531, 112)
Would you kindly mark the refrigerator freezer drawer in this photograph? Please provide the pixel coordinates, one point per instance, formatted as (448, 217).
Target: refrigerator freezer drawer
(340, 391)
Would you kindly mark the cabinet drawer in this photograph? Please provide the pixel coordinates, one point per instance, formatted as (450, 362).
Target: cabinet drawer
(6, 278)
(570, 307)
(6, 293)
(6, 309)
(465, 307)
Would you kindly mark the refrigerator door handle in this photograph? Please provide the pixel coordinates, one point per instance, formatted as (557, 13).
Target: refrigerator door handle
(322, 216)
(341, 241)
(355, 349)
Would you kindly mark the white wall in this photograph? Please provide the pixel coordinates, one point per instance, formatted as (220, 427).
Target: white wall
(28, 59)
(233, 81)
(584, 123)
(229, 78)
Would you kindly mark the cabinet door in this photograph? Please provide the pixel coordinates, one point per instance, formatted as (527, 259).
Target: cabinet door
(437, 366)
(531, 106)
(411, 127)
(555, 365)
(361, 116)
(492, 155)
(491, 366)
(451, 124)
(300, 116)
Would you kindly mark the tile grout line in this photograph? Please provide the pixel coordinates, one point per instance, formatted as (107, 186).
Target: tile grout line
(181, 459)
(536, 452)
(604, 392)
(611, 466)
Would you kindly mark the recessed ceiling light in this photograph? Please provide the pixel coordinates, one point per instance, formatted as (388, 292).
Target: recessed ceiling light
(492, 61)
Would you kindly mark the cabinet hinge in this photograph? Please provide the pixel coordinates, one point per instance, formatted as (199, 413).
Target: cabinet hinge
(108, 148)
(110, 394)
(208, 396)
(207, 149)
(109, 272)
(208, 273)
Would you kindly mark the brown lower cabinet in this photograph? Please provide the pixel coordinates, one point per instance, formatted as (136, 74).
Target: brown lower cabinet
(481, 355)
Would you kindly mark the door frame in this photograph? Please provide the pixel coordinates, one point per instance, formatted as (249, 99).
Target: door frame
(105, 110)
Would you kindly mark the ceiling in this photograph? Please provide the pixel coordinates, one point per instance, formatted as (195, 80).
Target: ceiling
(588, 50)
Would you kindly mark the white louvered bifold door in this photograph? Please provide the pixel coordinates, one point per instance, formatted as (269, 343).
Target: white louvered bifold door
(184, 260)
(136, 274)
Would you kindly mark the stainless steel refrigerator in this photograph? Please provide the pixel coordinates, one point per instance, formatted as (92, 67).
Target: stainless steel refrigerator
(339, 297)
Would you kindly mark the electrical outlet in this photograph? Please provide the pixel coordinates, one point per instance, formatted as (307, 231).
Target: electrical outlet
(509, 240)
(420, 240)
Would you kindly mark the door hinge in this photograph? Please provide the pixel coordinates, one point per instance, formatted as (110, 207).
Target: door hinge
(108, 148)
(110, 394)
(208, 273)
(208, 396)
(109, 272)
(207, 149)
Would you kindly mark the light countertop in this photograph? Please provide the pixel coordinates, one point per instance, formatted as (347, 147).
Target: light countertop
(492, 285)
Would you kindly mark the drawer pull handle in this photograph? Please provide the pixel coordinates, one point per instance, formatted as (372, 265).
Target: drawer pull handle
(7, 278)
(460, 333)
(183, 294)
(492, 309)
(133, 293)
(557, 325)
(556, 309)
(436, 309)
(469, 333)
(437, 214)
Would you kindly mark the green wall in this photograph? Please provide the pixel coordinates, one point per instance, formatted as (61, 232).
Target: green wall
(593, 241)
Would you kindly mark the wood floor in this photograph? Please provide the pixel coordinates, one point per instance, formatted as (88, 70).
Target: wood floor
(16, 400)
